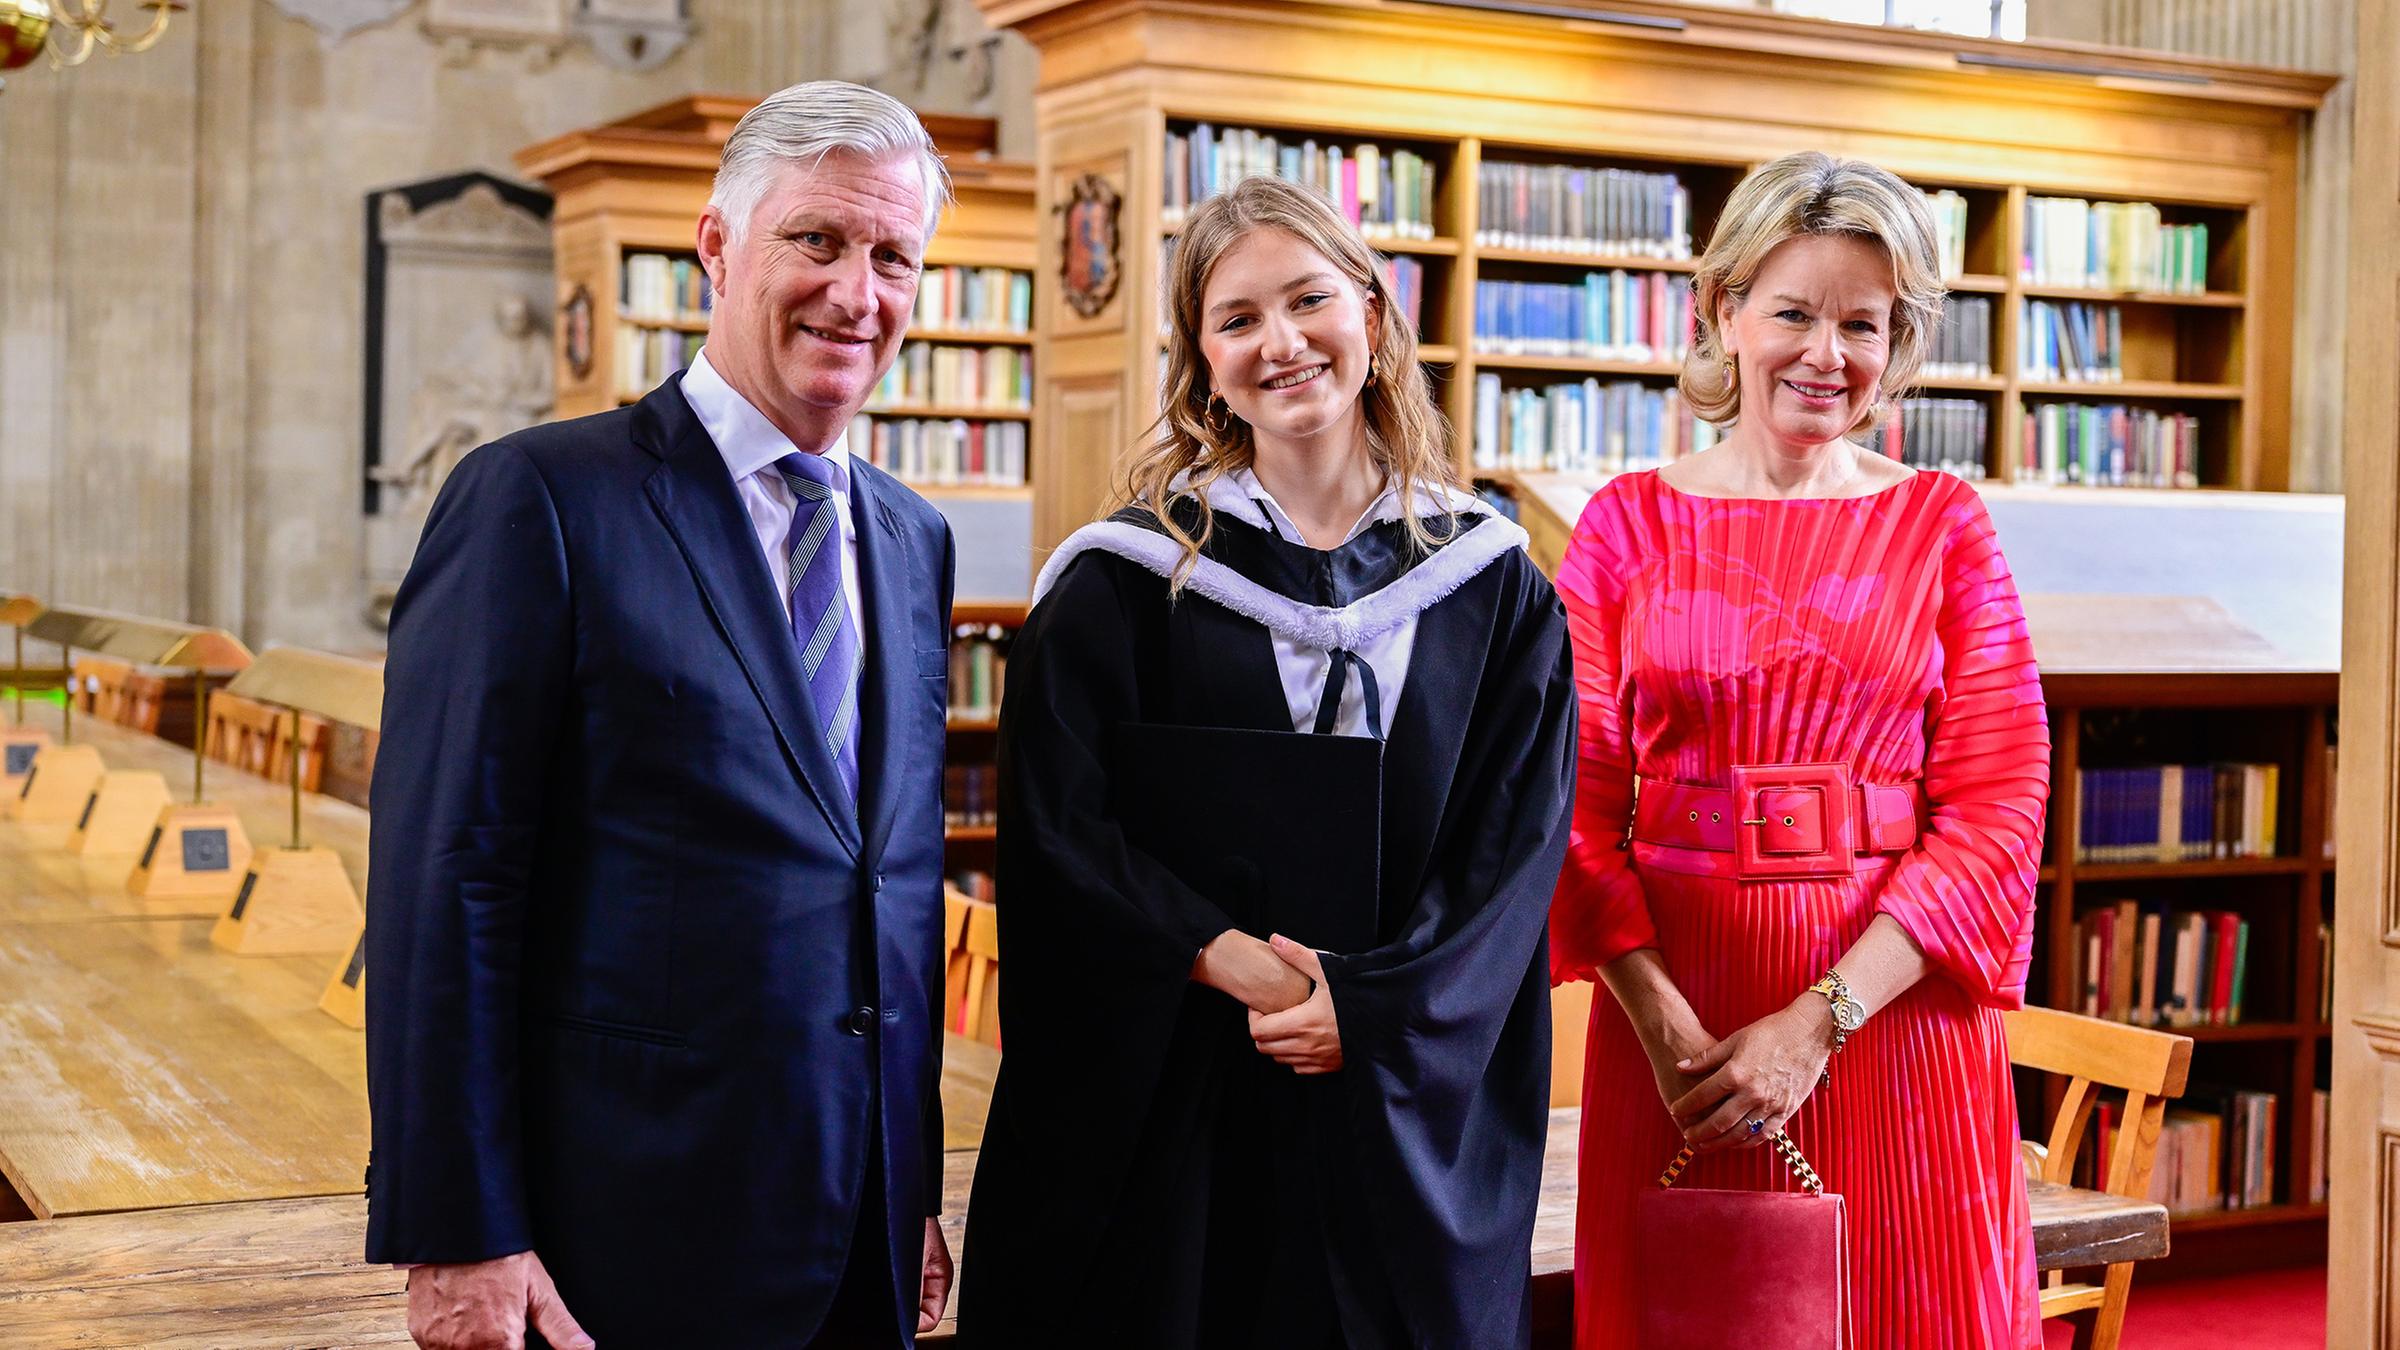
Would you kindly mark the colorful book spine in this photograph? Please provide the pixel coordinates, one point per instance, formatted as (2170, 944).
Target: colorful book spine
(1571, 209)
(2108, 445)
(1610, 316)
(1589, 426)
(1386, 193)
(958, 452)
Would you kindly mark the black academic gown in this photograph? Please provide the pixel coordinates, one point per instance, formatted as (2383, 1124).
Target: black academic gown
(1134, 1188)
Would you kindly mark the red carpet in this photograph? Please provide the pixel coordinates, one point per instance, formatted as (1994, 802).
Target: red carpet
(2271, 1310)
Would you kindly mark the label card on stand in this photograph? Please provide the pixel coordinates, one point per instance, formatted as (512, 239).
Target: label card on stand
(292, 901)
(118, 816)
(57, 785)
(17, 750)
(166, 870)
(345, 999)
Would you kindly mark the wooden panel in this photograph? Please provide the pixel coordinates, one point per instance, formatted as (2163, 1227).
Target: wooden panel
(1083, 432)
(2363, 1269)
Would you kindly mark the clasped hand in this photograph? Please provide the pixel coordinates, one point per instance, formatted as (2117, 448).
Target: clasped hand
(1306, 1038)
(1763, 1073)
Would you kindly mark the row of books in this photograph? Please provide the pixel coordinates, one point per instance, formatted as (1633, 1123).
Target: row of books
(978, 670)
(1950, 231)
(1387, 194)
(2072, 342)
(2176, 812)
(975, 299)
(932, 375)
(970, 795)
(1614, 316)
(1944, 434)
(1962, 344)
(647, 356)
(2138, 962)
(2118, 246)
(656, 288)
(1590, 426)
(2109, 445)
(2216, 1149)
(961, 452)
(1405, 279)
(1560, 208)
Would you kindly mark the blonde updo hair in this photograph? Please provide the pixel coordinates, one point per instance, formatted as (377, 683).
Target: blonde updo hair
(1812, 193)
(1407, 436)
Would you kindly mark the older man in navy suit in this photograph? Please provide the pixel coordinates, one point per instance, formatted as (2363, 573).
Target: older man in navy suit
(653, 1038)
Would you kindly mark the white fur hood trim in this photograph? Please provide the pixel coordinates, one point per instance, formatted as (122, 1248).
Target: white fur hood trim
(1344, 628)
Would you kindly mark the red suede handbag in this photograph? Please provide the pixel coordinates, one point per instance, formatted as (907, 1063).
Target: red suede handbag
(1719, 1269)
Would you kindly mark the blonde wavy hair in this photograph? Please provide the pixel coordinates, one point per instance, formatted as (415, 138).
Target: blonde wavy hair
(1812, 193)
(1407, 435)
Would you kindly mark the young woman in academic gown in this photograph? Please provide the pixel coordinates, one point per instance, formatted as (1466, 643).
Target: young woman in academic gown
(1201, 1137)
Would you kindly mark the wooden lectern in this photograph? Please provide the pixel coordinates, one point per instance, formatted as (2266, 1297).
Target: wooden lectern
(299, 899)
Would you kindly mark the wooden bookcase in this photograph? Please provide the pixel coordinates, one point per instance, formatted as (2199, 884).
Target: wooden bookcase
(636, 187)
(974, 744)
(2281, 1044)
(1706, 93)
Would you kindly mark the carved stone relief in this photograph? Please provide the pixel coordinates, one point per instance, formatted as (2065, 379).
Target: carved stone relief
(458, 351)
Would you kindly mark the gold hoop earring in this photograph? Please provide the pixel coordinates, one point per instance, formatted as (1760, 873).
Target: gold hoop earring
(1218, 415)
(1372, 373)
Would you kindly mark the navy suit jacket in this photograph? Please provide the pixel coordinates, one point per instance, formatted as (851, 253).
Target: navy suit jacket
(647, 993)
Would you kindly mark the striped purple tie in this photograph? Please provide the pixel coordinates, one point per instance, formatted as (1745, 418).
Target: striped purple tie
(821, 621)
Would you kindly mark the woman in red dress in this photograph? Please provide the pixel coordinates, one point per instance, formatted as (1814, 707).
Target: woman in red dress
(1811, 664)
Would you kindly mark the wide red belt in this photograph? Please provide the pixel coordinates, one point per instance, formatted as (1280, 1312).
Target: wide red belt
(1782, 821)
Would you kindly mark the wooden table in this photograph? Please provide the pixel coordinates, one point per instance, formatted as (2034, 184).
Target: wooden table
(140, 1067)
(283, 1273)
(41, 882)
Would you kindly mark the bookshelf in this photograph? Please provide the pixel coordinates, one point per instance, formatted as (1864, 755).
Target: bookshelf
(1702, 94)
(979, 642)
(2281, 1043)
(956, 415)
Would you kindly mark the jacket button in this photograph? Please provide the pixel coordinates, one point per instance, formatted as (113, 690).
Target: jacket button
(861, 1021)
(879, 883)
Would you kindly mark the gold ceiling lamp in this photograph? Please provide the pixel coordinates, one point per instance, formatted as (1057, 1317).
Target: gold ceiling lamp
(73, 30)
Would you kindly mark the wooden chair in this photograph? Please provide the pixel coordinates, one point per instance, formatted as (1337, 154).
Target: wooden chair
(313, 737)
(143, 695)
(979, 1006)
(2119, 1224)
(225, 723)
(954, 944)
(1570, 1027)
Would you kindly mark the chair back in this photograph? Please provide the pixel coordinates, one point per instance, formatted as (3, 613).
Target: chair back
(979, 1003)
(2148, 1066)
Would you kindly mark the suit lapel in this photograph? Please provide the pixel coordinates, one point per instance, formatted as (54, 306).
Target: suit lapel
(890, 646)
(694, 496)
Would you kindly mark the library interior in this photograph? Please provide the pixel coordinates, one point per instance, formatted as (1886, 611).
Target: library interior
(293, 293)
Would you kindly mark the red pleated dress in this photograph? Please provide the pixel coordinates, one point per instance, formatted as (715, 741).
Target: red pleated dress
(1880, 632)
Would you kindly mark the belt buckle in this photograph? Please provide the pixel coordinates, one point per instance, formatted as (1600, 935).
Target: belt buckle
(1795, 822)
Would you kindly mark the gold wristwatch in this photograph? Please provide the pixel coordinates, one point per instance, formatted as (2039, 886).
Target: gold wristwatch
(1848, 1015)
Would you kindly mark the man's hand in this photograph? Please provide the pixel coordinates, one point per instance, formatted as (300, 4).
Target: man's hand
(486, 1305)
(1306, 1039)
(935, 1293)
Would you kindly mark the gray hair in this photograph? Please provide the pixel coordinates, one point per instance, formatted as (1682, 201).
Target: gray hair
(806, 122)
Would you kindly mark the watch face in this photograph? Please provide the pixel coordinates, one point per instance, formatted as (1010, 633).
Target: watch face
(1848, 1015)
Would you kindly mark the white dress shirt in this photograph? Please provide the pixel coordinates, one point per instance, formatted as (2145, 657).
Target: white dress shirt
(751, 445)
(1304, 668)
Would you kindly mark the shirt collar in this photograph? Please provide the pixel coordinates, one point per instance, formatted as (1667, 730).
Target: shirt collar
(1385, 507)
(743, 435)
